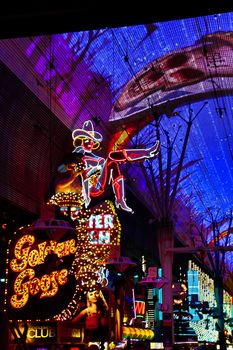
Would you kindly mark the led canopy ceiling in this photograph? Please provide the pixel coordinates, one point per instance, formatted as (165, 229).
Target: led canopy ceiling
(126, 79)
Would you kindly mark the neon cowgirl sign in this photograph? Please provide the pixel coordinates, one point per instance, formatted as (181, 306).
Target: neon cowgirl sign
(37, 270)
(86, 175)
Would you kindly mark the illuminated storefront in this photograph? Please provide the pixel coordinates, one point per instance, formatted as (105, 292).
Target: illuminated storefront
(202, 305)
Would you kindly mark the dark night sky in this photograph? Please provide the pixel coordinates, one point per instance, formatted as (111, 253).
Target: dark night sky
(51, 17)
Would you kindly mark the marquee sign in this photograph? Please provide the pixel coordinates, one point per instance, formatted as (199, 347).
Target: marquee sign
(40, 333)
(50, 264)
(39, 260)
(98, 233)
(101, 224)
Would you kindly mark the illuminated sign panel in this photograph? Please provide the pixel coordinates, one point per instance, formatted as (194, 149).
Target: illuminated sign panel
(49, 262)
(92, 314)
(38, 272)
(99, 225)
(140, 307)
(48, 333)
(98, 233)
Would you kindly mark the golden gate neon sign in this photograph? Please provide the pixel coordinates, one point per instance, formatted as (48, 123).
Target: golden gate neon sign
(27, 257)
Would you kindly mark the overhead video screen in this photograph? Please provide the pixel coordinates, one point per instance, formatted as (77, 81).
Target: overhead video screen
(180, 71)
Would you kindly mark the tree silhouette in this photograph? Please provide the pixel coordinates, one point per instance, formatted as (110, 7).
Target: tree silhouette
(162, 186)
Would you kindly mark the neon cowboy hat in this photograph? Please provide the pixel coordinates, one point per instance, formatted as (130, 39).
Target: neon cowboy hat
(86, 131)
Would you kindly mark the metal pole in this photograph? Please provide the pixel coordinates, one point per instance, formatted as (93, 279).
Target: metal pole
(166, 242)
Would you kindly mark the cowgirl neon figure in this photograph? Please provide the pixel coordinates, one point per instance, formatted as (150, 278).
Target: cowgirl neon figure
(99, 172)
